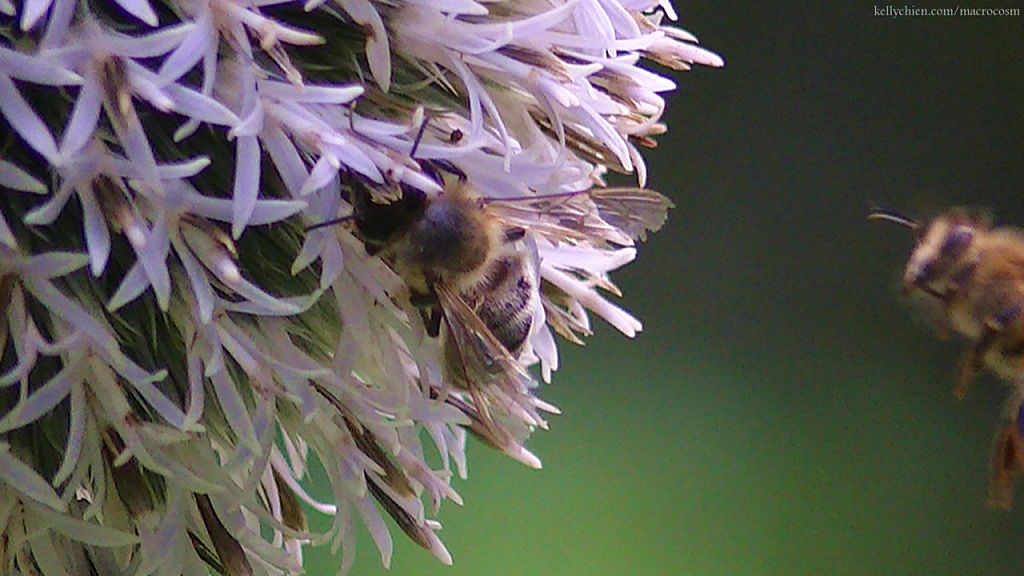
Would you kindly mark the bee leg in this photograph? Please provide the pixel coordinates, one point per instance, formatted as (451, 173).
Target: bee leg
(972, 362)
(430, 310)
(1007, 461)
(432, 320)
(976, 358)
(943, 326)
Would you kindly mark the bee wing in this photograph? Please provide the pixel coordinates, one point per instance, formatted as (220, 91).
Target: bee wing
(560, 218)
(618, 215)
(634, 211)
(482, 355)
(496, 382)
(480, 363)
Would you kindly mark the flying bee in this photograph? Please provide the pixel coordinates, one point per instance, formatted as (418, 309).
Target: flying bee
(471, 267)
(976, 274)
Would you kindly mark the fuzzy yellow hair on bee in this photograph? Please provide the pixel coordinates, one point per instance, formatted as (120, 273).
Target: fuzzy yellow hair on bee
(976, 273)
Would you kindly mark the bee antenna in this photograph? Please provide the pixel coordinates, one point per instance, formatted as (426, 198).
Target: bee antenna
(419, 137)
(431, 166)
(894, 217)
(330, 222)
(537, 197)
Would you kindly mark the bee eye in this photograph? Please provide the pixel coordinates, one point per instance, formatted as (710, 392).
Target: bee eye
(956, 241)
(923, 274)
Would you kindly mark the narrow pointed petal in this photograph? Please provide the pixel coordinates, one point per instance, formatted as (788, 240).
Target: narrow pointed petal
(247, 181)
(24, 120)
(13, 177)
(23, 479)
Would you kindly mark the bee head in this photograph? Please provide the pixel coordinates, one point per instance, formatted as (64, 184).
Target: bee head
(940, 248)
(378, 222)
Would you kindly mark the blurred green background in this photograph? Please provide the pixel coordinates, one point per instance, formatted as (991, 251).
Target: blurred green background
(782, 413)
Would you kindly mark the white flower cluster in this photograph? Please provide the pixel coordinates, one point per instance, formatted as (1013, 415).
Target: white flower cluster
(161, 399)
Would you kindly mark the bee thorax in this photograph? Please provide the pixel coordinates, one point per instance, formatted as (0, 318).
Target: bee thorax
(452, 237)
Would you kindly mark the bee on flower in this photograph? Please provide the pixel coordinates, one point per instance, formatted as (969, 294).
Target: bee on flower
(471, 267)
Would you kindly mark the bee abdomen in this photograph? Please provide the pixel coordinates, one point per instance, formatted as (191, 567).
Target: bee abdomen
(503, 300)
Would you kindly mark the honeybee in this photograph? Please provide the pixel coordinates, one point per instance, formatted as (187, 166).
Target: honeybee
(976, 273)
(474, 276)
(471, 267)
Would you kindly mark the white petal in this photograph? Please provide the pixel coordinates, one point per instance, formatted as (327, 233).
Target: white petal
(6, 236)
(37, 404)
(80, 530)
(58, 24)
(35, 68)
(589, 298)
(132, 286)
(267, 304)
(97, 236)
(76, 433)
(265, 212)
(454, 7)
(378, 54)
(247, 183)
(143, 383)
(153, 258)
(137, 148)
(623, 22)
(378, 530)
(82, 125)
(234, 410)
(333, 264)
(251, 124)
(308, 254)
(323, 172)
(25, 122)
(13, 177)
(54, 264)
(200, 40)
(25, 480)
(201, 290)
(286, 158)
(47, 212)
(155, 44)
(313, 94)
(589, 259)
(147, 86)
(184, 169)
(544, 346)
(140, 9)
(170, 171)
(31, 12)
(196, 392)
(196, 105)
